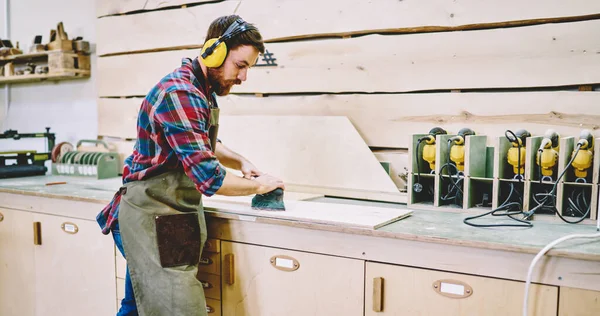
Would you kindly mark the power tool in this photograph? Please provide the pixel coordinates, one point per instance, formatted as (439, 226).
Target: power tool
(547, 155)
(516, 154)
(582, 158)
(457, 151)
(428, 154)
(24, 163)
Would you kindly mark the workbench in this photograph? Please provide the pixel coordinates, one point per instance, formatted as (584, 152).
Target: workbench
(429, 263)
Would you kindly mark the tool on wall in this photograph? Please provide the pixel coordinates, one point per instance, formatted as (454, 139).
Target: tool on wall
(428, 154)
(547, 155)
(25, 162)
(579, 201)
(516, 154)
(456, 154)
(547, 200)
(98, 164)
(513, 204)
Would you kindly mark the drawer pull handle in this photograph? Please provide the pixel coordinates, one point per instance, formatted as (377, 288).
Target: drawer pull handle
(285, 263)
(377, 294)
(452, 288)
(69, 228)
(209, 309)
(206, 284)
(37, 233)
(206, 261)
(1, 217)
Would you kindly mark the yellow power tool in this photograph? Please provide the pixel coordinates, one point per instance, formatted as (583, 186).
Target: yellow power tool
(584, 156)
(457, 151)
(428, 153)
(547, 155)
(516, 154)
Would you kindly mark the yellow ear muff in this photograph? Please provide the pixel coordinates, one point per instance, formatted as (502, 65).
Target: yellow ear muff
(218, 55)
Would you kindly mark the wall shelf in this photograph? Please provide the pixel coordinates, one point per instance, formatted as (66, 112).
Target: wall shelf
(44, 66)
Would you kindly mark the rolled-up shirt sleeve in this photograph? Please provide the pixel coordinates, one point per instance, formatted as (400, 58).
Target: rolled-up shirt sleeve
(183, 117)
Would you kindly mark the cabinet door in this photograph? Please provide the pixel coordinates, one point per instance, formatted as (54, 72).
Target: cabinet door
(263, 281)
(17, 280)
(577, 302)
(75, 268)
(396, 290)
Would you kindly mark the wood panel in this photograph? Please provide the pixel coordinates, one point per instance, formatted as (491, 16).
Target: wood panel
(321, 285)
(388, 120)
(533, 56)
(155, 30)
(109, 7)
(411, 291)
(280, 20)
(578, 302)
(340, 215)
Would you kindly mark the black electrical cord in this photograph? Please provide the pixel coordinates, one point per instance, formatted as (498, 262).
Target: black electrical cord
(455, 192)
(509, 207)
(419, 141)
(578, 203)
(548, 199)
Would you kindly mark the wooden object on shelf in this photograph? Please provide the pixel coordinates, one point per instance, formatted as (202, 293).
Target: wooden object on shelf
(46, 65)
(59, 40)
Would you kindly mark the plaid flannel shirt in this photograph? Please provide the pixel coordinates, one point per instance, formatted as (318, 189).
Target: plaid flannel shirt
(172, 130)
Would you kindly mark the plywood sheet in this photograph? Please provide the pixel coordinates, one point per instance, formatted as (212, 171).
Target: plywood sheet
(367, 217)
(388, 120)
(156, 29)
(289, 19)
(109, 7)
(307, 151)
(534, 56)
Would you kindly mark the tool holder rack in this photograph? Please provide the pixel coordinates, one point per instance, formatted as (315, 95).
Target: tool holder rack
(487, 171)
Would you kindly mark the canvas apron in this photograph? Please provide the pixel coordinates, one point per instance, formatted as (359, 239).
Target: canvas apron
(163, 231)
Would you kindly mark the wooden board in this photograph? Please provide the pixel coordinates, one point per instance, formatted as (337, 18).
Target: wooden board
(280, 20)
(388, 120)
(311, 151)
(320, 213)
(109, 7)
(154, 30)
(533, 56)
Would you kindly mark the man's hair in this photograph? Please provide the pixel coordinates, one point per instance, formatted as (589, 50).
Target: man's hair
(250, 37)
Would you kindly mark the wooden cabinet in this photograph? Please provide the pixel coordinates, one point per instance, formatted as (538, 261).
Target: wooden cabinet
(398, 290)
(266, 281)
(17, 277)
(55, 266)
(577, 302)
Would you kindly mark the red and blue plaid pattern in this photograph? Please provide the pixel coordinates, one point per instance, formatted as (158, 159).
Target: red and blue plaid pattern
(172, 130)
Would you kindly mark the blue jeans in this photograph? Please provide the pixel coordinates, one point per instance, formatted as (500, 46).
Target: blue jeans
(128, 307)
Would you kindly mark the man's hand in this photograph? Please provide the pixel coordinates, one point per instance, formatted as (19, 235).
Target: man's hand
(249, 170)
(268, 183)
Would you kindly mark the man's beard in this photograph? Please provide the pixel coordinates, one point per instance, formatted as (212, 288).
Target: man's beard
(219, 85)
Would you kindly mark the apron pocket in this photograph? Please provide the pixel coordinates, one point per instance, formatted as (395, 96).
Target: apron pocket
(178, 239)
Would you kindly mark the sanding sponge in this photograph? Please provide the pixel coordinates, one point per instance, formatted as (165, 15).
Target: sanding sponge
(271, 201)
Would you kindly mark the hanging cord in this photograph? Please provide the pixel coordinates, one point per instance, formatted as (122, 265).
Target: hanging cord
(420, 186)
(547, 200)
(455, 187)
(513, 205)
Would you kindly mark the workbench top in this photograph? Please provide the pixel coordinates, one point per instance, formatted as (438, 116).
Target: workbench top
(437, 226)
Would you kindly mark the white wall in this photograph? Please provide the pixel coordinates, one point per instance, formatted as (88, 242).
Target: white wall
(68, 107)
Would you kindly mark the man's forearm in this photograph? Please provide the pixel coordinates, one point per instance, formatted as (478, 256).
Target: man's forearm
(236, 186)
(229, 158)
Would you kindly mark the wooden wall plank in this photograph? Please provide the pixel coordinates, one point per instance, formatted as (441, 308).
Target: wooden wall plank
(280, 20)
(534, 56)
(388, 120)
(110, 7)
(157, 29)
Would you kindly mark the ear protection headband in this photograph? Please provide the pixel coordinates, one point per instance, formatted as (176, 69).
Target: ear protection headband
(215, 50)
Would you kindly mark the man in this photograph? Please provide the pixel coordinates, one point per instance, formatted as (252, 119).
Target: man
(156, 218)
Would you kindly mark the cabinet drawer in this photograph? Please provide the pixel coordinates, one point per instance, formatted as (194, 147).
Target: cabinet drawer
(212, 245)
(397, 290)
(212, 285)
(577, 302)
(210, 263)
(213, 307)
